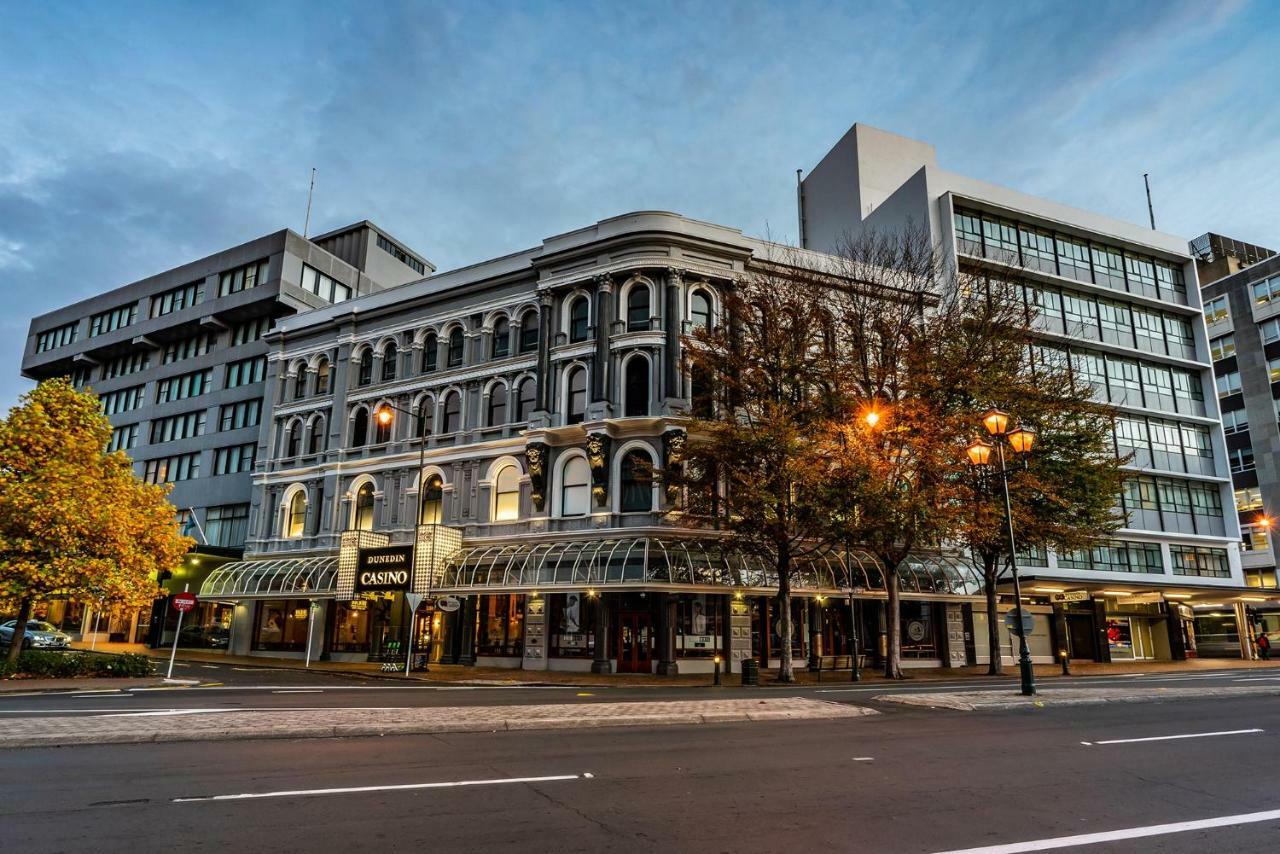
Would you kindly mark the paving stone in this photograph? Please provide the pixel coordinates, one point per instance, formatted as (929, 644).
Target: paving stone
(970, 701)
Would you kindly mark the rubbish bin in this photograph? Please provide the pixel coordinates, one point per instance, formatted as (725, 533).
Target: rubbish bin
(750, 671)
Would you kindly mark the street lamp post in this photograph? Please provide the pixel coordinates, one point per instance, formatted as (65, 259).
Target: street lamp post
(1020, 440)
(384, 417)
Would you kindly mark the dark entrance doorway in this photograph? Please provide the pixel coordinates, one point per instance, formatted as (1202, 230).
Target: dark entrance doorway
(1080, 634)
(635, 642)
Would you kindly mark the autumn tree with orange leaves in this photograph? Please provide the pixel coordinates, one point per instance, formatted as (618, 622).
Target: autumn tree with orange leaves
(75, 522)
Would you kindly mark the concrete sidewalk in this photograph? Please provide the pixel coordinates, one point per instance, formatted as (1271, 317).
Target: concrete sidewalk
(978, 701)
(234, 724)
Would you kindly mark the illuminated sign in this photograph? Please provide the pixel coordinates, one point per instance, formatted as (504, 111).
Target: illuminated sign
(388, 568)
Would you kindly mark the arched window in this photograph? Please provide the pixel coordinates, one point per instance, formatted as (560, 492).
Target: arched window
(322, 377)
(293, 446)
(638, 308)
(575, 487)
(497, 415)
(576, 398)
(636, 387)
(360, 428)
(382, 428)
(524, 400)
(452, 414)
(501, 338)
(700, 393)
(578, 320)
(433, 501)
(426, 420)
(366, 368)
(363, 519)
(389, 358)
(430, 353)
(456, 343)
(300, 383)
(529, 332)
(637, 482)
(315, 441)
(700, 310)
(506, 495)
(295, 518)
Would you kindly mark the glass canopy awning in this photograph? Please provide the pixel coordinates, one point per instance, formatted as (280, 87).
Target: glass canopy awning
(299, 577)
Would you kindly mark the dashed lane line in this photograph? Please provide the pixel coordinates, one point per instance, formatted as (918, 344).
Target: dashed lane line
(402, 787)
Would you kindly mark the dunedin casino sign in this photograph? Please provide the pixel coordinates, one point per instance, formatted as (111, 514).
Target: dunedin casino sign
(384, 569)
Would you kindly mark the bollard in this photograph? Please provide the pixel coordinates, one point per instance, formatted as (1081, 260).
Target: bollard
(717, 672)
(1066, 662)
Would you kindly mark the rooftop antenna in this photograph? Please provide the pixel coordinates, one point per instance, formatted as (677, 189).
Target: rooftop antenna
(306, 224)
(1151, 213)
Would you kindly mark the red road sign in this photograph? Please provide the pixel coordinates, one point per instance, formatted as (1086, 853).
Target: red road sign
(184, 602)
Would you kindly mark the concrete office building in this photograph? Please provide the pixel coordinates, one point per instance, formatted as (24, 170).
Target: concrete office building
(1242, 310)
(1120, 302)
(179, 362)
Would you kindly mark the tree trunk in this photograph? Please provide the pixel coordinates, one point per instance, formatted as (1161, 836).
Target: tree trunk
(893, 623)
(785, 673)
(990, 569)
(19, 631)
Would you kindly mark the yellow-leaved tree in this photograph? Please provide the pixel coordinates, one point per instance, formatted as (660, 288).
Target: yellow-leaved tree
(75, 522)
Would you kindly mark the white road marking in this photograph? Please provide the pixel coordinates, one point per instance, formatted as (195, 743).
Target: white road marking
(1116, 835)
(394, 788)
(211, 666)
(169, 712)
(863, 758)
(1176, 737)
(339, 688)
(1258, 679)
(297, 691)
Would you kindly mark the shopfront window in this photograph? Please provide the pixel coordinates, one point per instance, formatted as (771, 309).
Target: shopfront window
(699, 626)
(351, 626)
(797, 628)
(919, 639)
(572, 625)
(501, 626)
(281, 625)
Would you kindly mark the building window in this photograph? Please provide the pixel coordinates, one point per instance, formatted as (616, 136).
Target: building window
(637, 482)
(578, 322)
(360, 428)
(250, 331)
(281, 625)
(700, 310)
(1273, 369)
(227, 526)
(452, 415)
(1235, 421)
(116, 318)
(1216, 310)
(187, 348)
(426, 420)
(237, 458)
(1247, 499)
(382, 427)
(176, 299)
(246, 372)
(1228, 383)
(1222, 347)
(524, 400)
(300, 383)
(433, 501)
(293, 444)
(1266, 290)
(456, 348)
(184, 426)
(701, 396)
(242, 278)
(121, 400)
(295, 520)
(181, 387)
(430, 353)
(575, 487)
(363, 518)
(315, 436)
(234, 416)
(1255, 538)
(365, 376)
(497, 415)
(1199, 561)
(506, 495)
(1241, 459)
(389, 357)
(172, 469)
(501, 338)
(322, 377)
(576, 398)
(1270, 330)
(529, 332)
(501, 625)
(400, 255)
(123, 438)
(325, 287)
(638, 300)
(636, 387)
(55, 338)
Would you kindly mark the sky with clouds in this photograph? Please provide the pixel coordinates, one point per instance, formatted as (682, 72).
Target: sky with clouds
(135, 136)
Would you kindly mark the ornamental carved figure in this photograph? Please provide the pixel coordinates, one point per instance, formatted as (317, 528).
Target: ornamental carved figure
(598, 458)
(535, 457)
(673, 450)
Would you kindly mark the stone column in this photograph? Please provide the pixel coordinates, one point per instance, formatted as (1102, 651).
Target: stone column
(546, 306)
(815, 635)
(601, 388)
(667, 636)
(671, 325)
(602, 663)
(467, 627)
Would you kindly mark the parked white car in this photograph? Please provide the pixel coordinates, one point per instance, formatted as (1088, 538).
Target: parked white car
(39, 635)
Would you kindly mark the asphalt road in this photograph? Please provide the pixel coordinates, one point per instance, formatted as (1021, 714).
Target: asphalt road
(909, 780)
(236, 687)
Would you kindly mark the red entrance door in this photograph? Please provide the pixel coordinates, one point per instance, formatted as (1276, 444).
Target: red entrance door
(635, 642)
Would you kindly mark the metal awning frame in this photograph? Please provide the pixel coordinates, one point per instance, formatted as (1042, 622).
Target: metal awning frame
(279, 578)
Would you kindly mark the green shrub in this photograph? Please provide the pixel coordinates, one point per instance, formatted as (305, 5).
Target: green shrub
(40, 664)
(128, 664)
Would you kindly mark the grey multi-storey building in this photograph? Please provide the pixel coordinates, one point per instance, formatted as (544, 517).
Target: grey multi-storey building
(179, 361)
(1242, 311)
